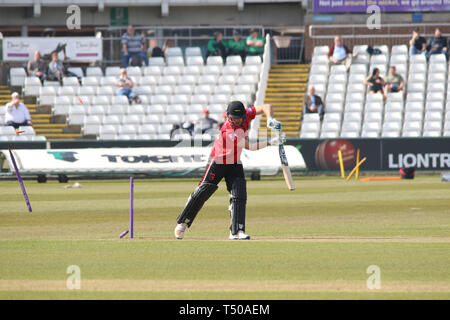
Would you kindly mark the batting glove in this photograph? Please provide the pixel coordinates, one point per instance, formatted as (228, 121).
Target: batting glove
(273, 124)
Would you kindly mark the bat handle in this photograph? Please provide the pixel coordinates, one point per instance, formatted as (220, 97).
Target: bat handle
(280, 135)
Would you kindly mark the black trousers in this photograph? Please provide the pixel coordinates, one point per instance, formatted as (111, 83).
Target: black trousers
(216, 172)
(236, 186)
(16, 125)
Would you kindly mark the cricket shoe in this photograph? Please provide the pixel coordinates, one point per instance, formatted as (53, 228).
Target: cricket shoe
(179, 230)
(239, 236)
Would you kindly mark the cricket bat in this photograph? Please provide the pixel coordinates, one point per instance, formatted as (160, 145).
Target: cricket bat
(285, 166)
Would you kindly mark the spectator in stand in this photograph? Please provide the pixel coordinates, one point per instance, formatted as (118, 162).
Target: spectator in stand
(375, 82)
(126, 85)
(437, 44)
(340, 53)
(313, 103)
(217, 46)
(17, 113)
(417, 44)
(183, 127)
(255, 43)
(154, 50)
(394, 82)
(56, 70)
(133, 44)
(206, 123)
(37, 67)
(237, 46)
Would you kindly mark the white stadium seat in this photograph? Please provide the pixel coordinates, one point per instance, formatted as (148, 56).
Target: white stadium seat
(175, 61)
(174, 52)
(194, 61)
(352, 117)
(234, 60)
(76, 115)
(152, 70)
(108, 81)
(214, 60)
(249, 60)
(236, 70)
(77, 71)
(193, 51)
(17, 76)
(131, 119)
(47, 95)
(354, 107)
(91, 125)
(32, 86)
(206, 89)
(95, 72)
(175, 109)
(193, 70)
(180, 99)
(112, 71)
(156, 61)
(90, 81)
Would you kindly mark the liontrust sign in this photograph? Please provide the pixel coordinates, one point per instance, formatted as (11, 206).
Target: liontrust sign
(419, 160)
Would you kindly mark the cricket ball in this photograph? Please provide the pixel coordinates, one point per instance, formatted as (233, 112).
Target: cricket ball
(327, 157)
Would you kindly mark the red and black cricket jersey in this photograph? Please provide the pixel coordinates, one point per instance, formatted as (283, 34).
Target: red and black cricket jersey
(227, 149)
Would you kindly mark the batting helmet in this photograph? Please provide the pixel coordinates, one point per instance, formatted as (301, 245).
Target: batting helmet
(236, 110)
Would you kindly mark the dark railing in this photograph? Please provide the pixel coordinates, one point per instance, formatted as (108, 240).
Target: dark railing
(294, 53)
(188, 36)
(192, 36)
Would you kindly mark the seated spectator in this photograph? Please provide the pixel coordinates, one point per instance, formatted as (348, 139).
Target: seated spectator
(17, 113)
(237, 46)
(340, 53)
(217, 46)
(417, 44)
(56, 70)
(183, 127)
(37, 67)
(375, 82)
(206, 123)
(133, 44)
(437, 44)
(394, 82)
(313, 103)
(255, 43)
(154, 50)
(126, 85)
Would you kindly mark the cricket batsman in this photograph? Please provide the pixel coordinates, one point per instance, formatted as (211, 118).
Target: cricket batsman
(225, 163)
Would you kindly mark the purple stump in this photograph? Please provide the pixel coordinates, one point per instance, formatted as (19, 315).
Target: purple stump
(19, 178)
(131, 206)
(123, 234)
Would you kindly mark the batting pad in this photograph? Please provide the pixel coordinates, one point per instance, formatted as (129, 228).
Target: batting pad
(195, 202)
(238, 203)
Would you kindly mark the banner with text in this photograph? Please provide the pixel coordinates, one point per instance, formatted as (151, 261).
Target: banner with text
(144, 160)
(384, 5)
(68, 48)
(381, 154)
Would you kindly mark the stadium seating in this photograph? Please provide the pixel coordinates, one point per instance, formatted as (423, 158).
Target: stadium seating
(17, 76)
(171, 91)
(424, 109)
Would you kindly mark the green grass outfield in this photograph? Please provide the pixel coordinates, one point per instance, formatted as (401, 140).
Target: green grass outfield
(312, 243)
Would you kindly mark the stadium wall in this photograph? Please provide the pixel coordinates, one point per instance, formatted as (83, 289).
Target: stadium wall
(387, 154)
(12, 19)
